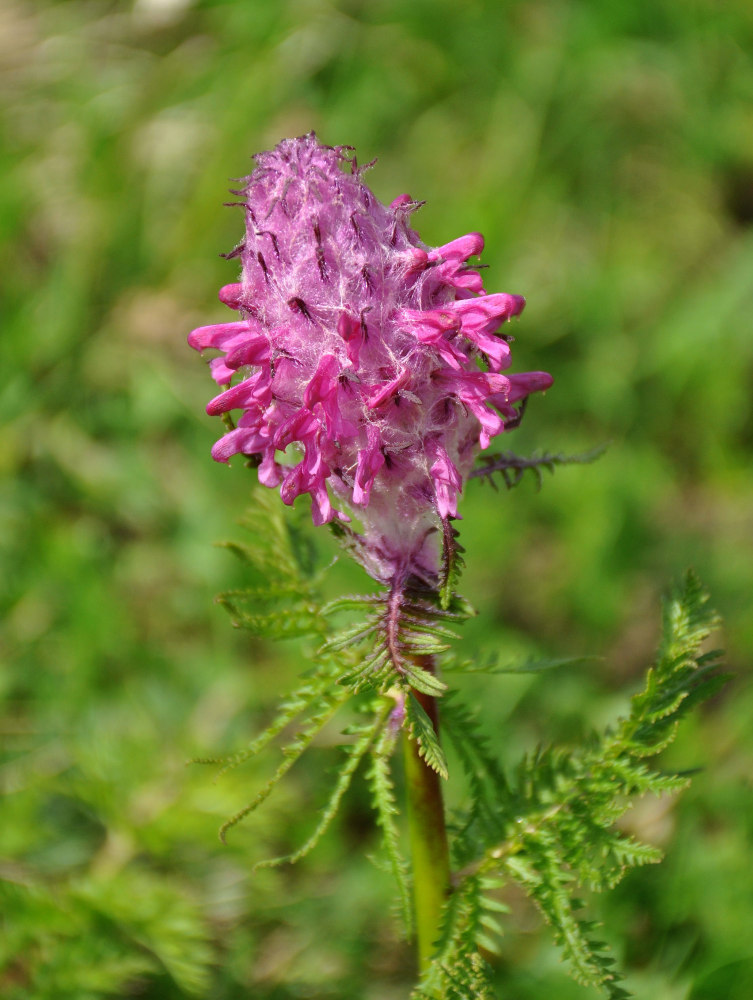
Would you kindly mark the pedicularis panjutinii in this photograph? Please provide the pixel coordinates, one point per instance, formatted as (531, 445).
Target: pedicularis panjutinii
(376, 355)
(367, 371)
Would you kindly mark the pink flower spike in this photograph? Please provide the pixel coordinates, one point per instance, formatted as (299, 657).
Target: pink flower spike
(300, 427)
(487, 312)
(365, 349)
(242, 440)
(461, 277)
(473, 389)
(400, 202)
(413, 260)
(270, 471)
(322, 511)
(322, 394)
(352, 332)
(435, 328)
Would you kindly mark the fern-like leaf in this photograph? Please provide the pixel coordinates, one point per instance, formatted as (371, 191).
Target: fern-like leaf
(513, 467)
(554, 826)
(320, 712)
(404, 625)
(367, 734)
(295, 616)
(452, 562)
(457, 970)
(422, 731)
(299, 702)
(549, 883)
(424, 681)
(383, 797)
(681, 676)
(280, 600)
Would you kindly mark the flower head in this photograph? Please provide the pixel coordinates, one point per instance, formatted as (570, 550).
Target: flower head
(360, 347)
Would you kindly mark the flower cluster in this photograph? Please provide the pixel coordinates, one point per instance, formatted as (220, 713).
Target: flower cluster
(355, 361)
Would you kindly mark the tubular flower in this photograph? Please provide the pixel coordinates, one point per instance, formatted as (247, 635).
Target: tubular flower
(359, 346)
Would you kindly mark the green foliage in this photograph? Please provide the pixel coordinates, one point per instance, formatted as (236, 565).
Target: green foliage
(403, 626)
(494, 663)
(389, 651)
(367, 735)
(301, 701)
(422, 730)
(383, 797)
(283, 602)
(452, 562)
(117, 930)
(552, 830)
(607, 159)
(319, 711)
(469, 921)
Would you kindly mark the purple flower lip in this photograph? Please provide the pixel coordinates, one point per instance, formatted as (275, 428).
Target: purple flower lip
(359, 346)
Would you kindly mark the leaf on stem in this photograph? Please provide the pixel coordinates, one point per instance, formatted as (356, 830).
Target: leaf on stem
(422, 731)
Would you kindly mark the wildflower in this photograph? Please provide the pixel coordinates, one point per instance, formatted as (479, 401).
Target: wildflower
(360, 347)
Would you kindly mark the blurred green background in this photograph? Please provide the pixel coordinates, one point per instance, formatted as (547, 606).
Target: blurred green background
(606, 152)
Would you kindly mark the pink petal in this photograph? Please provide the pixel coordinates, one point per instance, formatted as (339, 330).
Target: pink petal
(217, 335)
(460, 249)
(252, 390)
(447, 481)
(370, 461)
(231, 295)
(220, 371)
(242, 440)
(253, 350)
(380, 394)
(323, 383)
(526, 382)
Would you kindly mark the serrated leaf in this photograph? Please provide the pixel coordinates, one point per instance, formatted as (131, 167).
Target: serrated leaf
(424, 681)
(352, 602)
(321, 712)
(418, 644)
(380, 780)
(375, 672)
(287, 623)
(452, 562)
(349, 637)
(426, 624)
(354, 755)
(513, 467)
(422, 731)
(295, 704)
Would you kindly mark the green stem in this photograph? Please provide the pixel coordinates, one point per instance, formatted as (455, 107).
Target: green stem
(428, 838)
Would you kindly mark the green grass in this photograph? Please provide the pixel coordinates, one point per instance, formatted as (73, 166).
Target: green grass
(606, 152)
